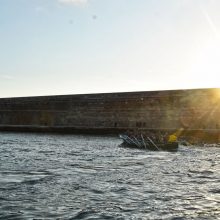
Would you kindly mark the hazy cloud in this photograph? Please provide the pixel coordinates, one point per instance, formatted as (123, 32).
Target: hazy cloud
(74, 2)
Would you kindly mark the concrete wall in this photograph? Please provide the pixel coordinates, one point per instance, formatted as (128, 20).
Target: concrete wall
(113, 112)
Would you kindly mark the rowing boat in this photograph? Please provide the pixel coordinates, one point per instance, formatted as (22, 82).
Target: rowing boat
(147, 143)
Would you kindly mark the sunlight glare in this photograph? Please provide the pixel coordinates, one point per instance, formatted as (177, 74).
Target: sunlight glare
(205, 69)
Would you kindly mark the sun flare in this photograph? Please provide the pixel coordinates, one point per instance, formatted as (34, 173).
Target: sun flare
(217, 93)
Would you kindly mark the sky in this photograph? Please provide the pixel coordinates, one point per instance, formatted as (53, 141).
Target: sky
(56, 47)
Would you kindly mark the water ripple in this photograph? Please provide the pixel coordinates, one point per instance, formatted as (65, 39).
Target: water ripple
(89, 177)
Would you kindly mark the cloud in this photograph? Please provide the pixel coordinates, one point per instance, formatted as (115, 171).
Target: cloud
(74, 2)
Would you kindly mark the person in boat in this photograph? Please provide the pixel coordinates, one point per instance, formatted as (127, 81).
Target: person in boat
(174, 137)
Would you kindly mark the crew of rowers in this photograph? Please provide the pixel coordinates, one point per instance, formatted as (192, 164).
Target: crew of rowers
(157, 137)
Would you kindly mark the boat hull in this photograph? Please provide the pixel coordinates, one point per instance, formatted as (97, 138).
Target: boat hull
(161, 147)
(148, 145)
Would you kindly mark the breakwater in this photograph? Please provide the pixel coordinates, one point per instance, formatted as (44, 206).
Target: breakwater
(196, 110)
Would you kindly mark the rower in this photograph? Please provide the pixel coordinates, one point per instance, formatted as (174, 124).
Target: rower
(173, 137)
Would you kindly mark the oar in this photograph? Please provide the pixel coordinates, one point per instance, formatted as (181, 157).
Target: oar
(153, 143)
(133, 141)
(127, 140)
(137, 142)
(143, 141)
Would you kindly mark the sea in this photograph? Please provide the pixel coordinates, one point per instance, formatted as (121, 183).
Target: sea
(52, 176)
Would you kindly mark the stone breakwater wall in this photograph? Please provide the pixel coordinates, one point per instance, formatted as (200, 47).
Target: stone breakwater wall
(196, 110)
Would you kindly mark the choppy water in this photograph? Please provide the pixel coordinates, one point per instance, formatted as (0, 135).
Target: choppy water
(90, 177)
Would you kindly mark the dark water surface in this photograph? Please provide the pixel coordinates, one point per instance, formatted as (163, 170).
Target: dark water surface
(91, 177)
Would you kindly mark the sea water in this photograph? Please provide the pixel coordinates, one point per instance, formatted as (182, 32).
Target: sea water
(48, 176)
